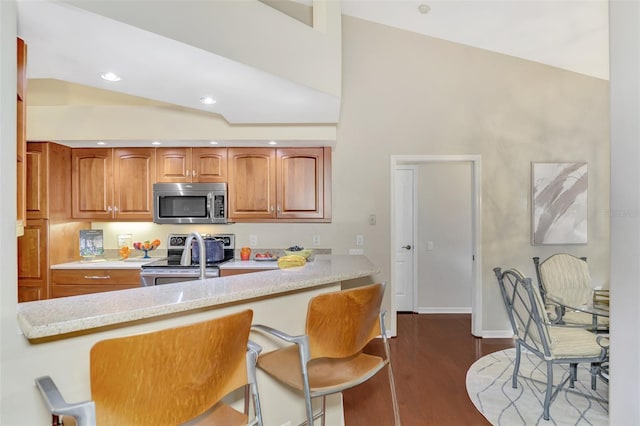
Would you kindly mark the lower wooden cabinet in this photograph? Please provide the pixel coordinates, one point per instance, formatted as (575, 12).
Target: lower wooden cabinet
(33, 261)
(74, 282)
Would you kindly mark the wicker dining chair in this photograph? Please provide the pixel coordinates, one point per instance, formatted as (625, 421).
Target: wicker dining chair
(552, 343)
(329, 357)
(168, 377)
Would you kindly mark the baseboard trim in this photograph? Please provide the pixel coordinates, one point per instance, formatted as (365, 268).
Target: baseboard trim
(497, 334)
(464, 310)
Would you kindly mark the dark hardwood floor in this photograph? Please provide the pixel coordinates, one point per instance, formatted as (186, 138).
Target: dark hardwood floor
(430, 359)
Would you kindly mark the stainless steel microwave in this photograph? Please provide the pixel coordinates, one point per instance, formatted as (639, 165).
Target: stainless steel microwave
(190, 203)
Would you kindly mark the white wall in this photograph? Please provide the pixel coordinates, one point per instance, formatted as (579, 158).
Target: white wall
(406, 94)
(624, 392)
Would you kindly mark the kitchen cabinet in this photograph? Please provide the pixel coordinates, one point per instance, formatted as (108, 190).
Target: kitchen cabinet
(74, 282)
(43, 244)
(33, 261)
(284, 184)
(21, 136)
(191, 164)
(49, 237)
(48, 181)
(113, 184)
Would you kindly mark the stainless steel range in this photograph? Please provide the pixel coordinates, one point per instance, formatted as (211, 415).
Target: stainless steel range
(173, 269)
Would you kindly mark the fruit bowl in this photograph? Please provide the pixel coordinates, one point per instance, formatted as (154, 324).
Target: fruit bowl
(146, 246)
(301, 252)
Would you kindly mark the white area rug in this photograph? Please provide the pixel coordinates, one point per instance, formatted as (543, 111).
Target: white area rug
(489, 387)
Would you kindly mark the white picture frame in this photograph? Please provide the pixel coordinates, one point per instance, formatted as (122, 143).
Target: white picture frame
(559, 203)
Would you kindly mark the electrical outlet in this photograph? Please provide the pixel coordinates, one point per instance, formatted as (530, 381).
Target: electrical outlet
(359, 240)
(316, 240)
(253, 241)
(372, 219)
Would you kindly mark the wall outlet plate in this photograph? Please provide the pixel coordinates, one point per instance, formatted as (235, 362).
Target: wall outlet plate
(253, 241)
(316, 240)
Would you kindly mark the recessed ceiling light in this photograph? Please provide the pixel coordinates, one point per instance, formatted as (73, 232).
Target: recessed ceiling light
(213, 143)
(207, 100)
(273, 143)
(101, 143)
(156, 143)
(110, 76)
(424, 8)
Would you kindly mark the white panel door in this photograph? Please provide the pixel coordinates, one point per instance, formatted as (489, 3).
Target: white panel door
(404, 212)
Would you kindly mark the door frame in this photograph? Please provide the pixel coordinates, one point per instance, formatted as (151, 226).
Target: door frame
(476, 219)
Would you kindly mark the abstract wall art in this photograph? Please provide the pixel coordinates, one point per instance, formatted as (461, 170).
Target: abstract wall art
(559, 204)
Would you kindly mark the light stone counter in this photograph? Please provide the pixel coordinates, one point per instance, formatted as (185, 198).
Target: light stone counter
(249, 264)
(107, 264)
(57, 317)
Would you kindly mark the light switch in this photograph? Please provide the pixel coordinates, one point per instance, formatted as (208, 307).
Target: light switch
(372, 219)
(359, 240)
(429, 245)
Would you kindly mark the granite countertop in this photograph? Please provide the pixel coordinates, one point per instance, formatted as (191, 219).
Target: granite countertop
(135, 263)
(56, 317)
(249, 264)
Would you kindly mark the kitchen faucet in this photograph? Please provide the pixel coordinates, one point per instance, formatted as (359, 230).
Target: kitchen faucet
(186, 253)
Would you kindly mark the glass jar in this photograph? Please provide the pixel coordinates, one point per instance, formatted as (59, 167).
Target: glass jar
(245, 253)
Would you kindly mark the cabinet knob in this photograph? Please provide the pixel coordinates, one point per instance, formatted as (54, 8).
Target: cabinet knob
(115, 209)
(193, 173)
(278, 209)
(109, 209)
(271, 209)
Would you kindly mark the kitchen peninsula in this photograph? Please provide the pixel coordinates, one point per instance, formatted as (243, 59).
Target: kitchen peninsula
(60, 332)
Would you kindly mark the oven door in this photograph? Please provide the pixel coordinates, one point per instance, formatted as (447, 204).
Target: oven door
(149, 277)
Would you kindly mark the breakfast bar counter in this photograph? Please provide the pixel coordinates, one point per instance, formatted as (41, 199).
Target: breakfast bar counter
(58, 334)
(56, 317)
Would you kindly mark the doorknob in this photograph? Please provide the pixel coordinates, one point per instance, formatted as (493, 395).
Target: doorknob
(408, 247)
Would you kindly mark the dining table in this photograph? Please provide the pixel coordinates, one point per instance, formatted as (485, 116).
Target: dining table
(597, 307)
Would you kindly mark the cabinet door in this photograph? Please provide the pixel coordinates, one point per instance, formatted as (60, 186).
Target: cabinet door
(92, 183)
(209, 165)
(37, 175)
(173, 165)
(300, 177)
(33, 269)
(252, 188)
(134, 172)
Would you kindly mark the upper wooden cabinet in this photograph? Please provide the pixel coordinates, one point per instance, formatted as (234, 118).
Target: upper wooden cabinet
(285, 184)
(21, 136)
(191, 164)
(48, 181)
(113, 183)
(252, 183)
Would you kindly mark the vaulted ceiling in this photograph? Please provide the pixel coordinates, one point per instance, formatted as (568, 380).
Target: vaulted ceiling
(71, 44)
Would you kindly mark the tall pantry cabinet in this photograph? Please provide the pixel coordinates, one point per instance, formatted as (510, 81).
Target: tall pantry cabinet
(49, 235)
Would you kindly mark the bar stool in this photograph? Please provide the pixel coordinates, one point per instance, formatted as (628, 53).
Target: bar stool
(168, 377)
(328, 358)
